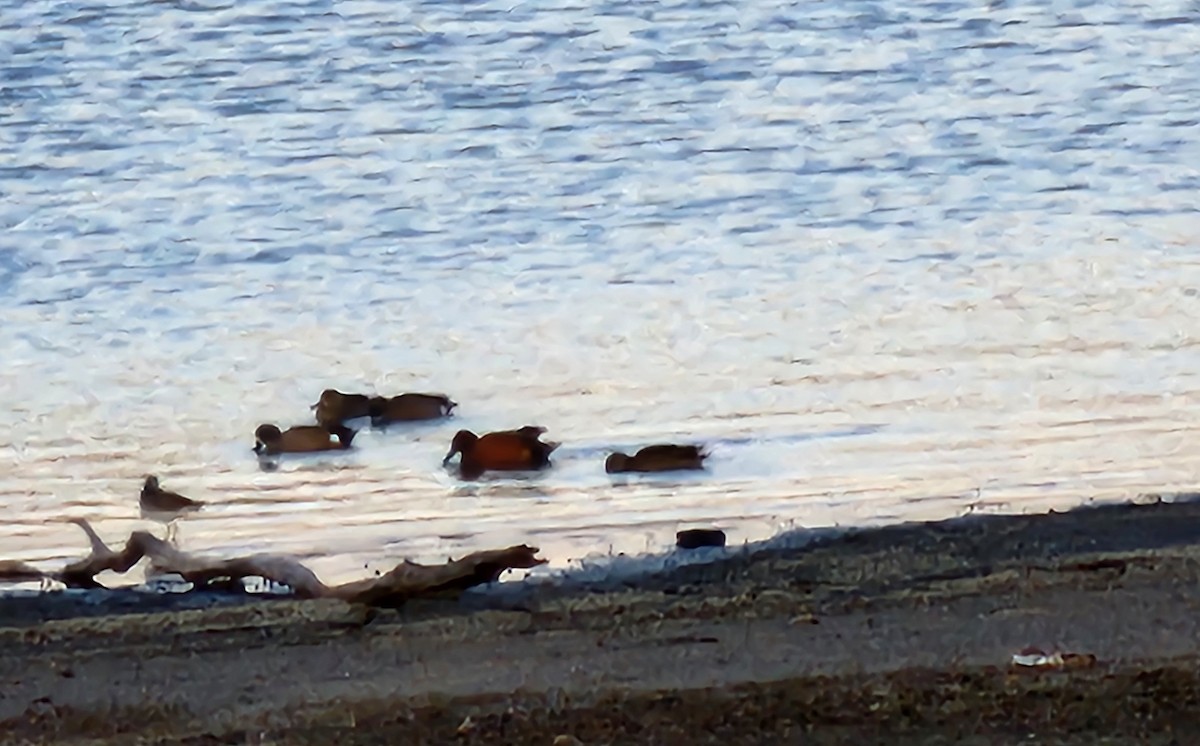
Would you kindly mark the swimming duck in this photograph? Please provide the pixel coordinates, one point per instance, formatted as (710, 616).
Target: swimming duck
(335, 407)
(268, 439)
(504, 450)
(164, 506)
(409, 407)
(657, 458)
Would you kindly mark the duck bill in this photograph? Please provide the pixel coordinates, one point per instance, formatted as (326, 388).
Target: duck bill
(258, 446)
(449, 455)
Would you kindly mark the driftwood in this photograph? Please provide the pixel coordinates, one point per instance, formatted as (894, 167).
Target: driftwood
(406, 581)
(15, 571)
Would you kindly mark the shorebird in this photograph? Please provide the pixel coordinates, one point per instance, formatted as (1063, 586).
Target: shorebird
(164, 506)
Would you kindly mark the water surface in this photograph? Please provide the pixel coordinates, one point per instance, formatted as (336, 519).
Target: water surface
(890, 260)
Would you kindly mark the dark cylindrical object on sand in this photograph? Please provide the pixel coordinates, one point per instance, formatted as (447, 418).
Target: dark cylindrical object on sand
(694, 538)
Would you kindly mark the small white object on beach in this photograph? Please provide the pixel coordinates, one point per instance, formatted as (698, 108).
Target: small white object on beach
(1037, 657)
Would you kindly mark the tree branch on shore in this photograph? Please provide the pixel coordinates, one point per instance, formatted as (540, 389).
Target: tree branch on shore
(406, 581)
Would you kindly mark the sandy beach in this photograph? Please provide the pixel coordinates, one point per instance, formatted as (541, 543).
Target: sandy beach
(900, 635)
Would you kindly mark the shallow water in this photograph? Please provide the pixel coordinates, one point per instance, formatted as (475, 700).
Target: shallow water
(889, 260)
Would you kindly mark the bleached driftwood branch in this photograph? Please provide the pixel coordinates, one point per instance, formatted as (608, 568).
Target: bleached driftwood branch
(406, 581)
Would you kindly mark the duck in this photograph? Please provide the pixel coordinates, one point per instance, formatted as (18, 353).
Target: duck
(164, 506)
(335, 407)
(268, 439)
(409, 407)
(504, 450)
(666, 457)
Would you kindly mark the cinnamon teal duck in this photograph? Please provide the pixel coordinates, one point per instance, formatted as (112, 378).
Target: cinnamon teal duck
(503, 450)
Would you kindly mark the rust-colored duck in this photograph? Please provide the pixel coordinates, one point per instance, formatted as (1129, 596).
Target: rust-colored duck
(270, 440)
(409, 408)
(503, 450)
(667, 457)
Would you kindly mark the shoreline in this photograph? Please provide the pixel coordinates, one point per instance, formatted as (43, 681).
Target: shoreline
(884, 633)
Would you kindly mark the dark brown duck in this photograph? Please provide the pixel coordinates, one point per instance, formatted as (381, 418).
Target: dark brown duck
(503, 450)
(335, 407)
(270, 440)
(409, 408)
(657, 458)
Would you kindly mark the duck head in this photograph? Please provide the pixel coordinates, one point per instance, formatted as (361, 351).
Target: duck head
(616, 462)
(264, 436)
(463, 440)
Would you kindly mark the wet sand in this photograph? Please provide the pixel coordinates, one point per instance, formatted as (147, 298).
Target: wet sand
(901, 635)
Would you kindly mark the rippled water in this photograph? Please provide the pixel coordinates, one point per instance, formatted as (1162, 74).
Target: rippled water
(890, 260)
